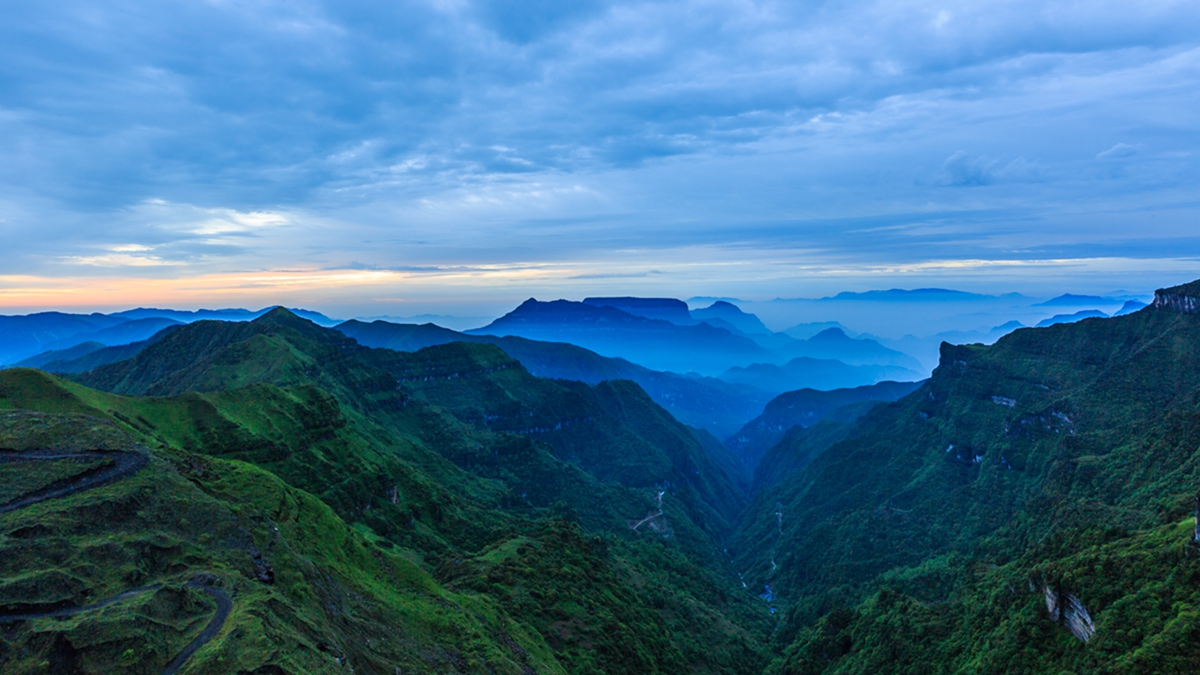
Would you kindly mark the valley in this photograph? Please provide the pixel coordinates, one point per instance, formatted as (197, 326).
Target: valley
(271, 495)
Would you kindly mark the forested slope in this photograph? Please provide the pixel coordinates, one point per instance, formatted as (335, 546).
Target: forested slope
(507, 501)
(1029, 509)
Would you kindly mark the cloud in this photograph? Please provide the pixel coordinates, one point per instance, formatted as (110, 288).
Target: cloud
(963, 170)
(430, 134)
(1120, 151)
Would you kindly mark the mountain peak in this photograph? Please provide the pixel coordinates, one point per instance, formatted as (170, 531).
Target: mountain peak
(280, 315)
(1070, 299)
(828, 334)
(733, 315)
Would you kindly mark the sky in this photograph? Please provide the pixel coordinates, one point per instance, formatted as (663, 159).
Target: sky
(456, 157)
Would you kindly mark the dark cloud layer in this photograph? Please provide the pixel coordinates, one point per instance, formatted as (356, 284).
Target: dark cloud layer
(218, 135)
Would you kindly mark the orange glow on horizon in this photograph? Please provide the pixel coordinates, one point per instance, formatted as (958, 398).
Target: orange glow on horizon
(23, 292)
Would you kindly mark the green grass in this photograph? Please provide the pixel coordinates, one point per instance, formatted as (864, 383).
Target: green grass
(384, 509)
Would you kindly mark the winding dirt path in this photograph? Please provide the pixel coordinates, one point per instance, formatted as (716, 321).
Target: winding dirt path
(124, 465)
(64, 612)
(224, 606)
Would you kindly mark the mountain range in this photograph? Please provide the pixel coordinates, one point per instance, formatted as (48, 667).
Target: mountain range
(22, 337)
(707, 342)
(1027, 509)
(362, 508)
(274, 496)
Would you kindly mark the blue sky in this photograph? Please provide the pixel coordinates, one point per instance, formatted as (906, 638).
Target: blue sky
(455, 157)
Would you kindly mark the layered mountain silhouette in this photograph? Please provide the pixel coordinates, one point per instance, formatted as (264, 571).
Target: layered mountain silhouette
(1071, 318)
(609, 331)
(345, 497)
(23, 337)
(805, 408)
(289, 499)
(808, 373)
(708, 341)
(731, 315)
(706, 403)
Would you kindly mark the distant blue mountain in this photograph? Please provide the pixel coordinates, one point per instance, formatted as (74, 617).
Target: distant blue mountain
(909, 295)
(120, 334)
(804, 408)
(60, 355)
(229, 314)
(702, 402)
(732, 315)
(1072, 300)
(805, 372)
(451, 321)
(24, 336)
(913, 295)
(708, 300)
(91, 355)
(803, 331)
(833, 343)
(609, 331)
(666, 309)
(1071, 318)
(927, 349)
(1130, 307)
(707, 340)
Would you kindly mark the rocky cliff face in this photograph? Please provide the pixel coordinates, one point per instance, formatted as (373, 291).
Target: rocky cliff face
(1184, 299)
(1068, 610)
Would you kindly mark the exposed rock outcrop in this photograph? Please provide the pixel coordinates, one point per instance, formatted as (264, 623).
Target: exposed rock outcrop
(1184, 299)
(1068, 610)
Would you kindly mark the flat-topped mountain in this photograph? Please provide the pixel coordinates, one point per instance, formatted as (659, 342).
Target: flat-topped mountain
(708, 341)
(666, 309)
(606, 330)
(1184, 298)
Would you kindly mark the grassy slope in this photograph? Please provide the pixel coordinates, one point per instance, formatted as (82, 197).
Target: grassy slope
(335, 597)
(1063, 457)
(438, 486)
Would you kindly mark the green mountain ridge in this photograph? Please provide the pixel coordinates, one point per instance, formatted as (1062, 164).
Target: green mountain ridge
(511, 498)
(706, 403)
(1029, 508)
(804, 408)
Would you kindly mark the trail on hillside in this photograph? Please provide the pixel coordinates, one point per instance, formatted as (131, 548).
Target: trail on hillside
(64, 612)
(224, 606)
(125, 464)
